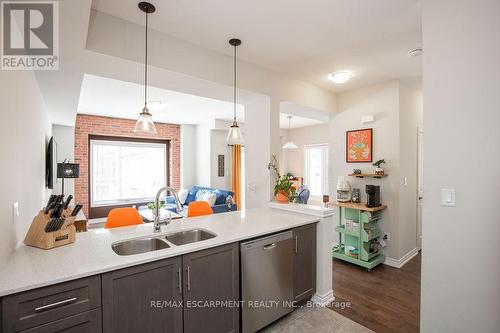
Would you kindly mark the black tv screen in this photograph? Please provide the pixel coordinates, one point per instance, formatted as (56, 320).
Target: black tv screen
(51, 163)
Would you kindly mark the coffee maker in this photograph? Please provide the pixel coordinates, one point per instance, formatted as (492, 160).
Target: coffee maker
(373, 196)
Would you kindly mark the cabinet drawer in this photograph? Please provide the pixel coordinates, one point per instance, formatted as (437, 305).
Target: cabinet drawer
(41, 306)
(87, 322)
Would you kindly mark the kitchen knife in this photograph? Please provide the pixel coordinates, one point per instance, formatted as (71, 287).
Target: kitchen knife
(60, 199)
(49, 207)
(68, 200)
(57, 211)
(51, 199)
(76, 210)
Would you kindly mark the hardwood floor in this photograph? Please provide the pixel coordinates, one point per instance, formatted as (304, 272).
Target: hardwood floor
(385, 300)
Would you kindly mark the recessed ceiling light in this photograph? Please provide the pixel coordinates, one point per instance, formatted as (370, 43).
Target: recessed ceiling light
(415, 52)
(340, 77)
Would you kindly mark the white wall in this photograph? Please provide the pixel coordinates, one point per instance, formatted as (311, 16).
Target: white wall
(218, 146)
(188, 156)
(461, 70)
(382, 101)
(25, 130)
(303, 136)
(65, 138)
(203, 154)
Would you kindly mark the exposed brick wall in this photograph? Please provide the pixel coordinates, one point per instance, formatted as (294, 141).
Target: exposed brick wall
(87, 125)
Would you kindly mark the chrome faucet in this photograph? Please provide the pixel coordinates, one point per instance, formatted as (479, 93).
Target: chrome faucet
(156, 210)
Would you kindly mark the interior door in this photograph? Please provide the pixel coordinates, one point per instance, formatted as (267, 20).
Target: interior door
(420, 167)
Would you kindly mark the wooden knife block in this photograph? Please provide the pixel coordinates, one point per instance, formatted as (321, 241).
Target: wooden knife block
(37, 236)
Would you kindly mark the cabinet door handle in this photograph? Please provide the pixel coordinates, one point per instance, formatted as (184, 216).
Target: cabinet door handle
(179, 278)
(296, 244)
(188, 278)
(55, 305)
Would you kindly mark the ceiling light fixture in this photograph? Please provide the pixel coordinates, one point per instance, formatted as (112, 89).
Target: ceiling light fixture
(340, 77)
(289, 144)
(234, 136)
(145, 122)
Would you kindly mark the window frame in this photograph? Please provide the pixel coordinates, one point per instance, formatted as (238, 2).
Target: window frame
(325, 168)
(102, 211)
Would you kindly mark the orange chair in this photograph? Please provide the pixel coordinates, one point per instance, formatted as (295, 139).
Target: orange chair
(122, 217)
(199, 208)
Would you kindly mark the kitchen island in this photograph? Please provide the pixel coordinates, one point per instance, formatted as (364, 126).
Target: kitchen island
(89, 267)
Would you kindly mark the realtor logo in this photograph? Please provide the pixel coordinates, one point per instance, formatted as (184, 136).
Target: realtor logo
(30, 35)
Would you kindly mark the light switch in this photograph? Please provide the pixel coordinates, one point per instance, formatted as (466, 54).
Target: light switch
(15, 209)
(405, 181)
(448, 197)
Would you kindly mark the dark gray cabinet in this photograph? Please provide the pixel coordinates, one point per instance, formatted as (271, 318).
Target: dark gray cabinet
(87, 322)
(304, 262)
(41, 306)
(144, 298)
(210, 276)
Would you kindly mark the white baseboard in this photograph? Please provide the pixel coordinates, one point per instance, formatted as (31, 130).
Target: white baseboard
(323, 300)
(398, 263)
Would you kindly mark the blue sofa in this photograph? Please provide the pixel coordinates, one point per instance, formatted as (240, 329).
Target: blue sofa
(220, 205)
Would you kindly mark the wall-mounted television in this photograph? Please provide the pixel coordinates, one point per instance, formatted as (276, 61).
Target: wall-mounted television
(51, 163)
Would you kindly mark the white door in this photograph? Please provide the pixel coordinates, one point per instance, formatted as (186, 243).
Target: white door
(420, 189)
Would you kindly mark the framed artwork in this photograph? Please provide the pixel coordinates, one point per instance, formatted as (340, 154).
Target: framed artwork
(359, 146)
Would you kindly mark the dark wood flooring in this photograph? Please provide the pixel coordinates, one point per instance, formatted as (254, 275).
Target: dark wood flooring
(385, 300)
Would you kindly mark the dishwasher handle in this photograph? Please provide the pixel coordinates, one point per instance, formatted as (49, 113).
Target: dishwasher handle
(269, 246)
(267, 242)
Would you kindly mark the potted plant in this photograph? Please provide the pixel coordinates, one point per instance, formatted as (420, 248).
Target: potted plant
(283, 188)
(378, 167)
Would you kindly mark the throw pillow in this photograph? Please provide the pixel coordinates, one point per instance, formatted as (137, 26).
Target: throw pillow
(182, 195)
(200, 194)
(210, 198)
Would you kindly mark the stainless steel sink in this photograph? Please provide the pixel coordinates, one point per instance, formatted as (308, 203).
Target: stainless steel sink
(189, 236)
(139, 245)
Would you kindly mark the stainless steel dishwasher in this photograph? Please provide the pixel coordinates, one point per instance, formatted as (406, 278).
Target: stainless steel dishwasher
(266, 280)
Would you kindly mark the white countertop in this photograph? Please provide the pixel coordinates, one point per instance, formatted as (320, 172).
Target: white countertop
(91, 254)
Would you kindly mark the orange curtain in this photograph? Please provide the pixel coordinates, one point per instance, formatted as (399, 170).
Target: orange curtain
(236, 174)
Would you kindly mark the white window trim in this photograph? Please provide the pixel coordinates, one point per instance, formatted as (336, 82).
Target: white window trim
(325, 169)
(120, 143)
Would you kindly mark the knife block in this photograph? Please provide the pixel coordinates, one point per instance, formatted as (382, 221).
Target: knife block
(37, 236)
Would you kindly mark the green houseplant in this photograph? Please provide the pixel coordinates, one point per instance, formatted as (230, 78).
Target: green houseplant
(283, 188)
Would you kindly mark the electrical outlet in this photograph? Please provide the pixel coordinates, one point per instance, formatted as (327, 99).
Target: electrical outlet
(387, 236)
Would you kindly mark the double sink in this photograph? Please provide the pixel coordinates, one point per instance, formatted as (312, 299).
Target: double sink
(151, 243)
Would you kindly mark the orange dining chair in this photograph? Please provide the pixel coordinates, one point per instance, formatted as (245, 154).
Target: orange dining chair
(122, 217)
(199, 208)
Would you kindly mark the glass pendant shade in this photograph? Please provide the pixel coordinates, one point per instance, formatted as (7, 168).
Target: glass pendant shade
(290, 145)
(234, 136)
(145, 123)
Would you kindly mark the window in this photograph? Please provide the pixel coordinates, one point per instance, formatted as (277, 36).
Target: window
(316, 169)
(126, 172)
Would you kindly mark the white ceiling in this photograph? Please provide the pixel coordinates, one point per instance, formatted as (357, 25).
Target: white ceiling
(113, 98)
(298, 121)
(305, 40)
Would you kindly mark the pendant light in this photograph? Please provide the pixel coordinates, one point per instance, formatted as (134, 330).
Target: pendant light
(145, 122)
(234, 136)
(289, 144)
